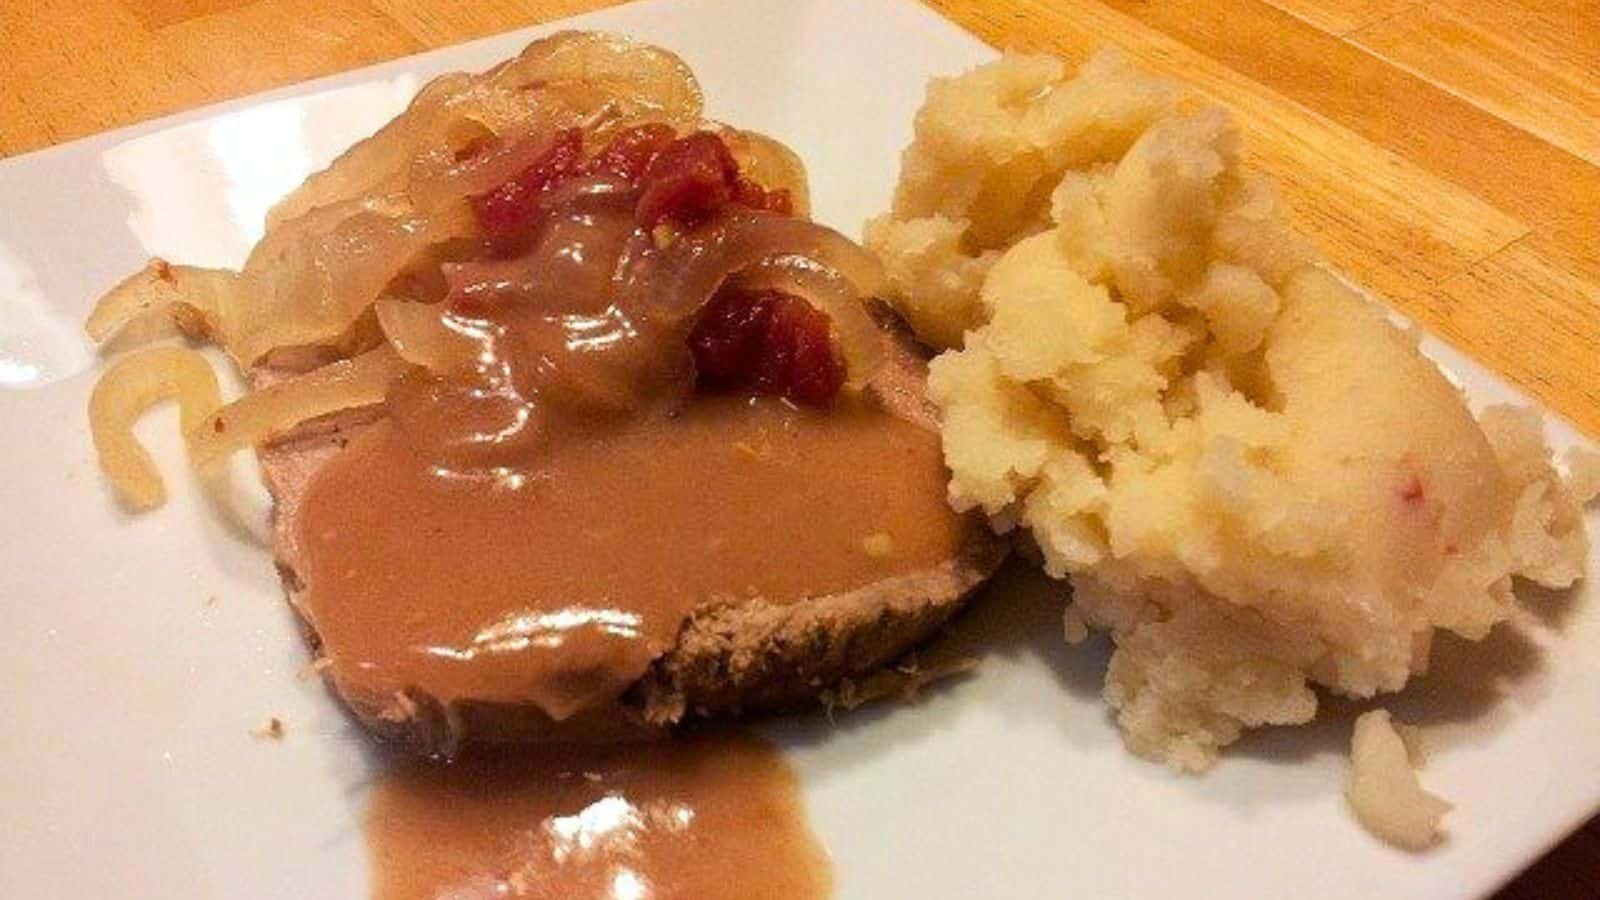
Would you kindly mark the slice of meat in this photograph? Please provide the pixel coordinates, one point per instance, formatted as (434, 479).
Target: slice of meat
(729, 657)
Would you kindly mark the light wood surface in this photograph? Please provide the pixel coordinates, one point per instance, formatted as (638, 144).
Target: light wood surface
(1447, 153)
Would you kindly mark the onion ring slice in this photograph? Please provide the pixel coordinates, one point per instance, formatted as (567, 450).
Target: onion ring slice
(419, 334)
(770, 164)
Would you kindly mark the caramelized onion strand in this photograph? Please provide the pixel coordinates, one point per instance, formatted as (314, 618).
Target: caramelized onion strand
(124, 393)
(194, 297)
(419, 335)
(264, 414)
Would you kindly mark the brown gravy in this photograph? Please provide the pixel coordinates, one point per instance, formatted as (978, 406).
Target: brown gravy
(712, 818)
(557, 584)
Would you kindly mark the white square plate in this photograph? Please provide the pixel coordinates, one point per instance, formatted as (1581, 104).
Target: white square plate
(138, 654)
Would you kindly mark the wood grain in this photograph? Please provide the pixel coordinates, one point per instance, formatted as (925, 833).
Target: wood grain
(1446, 153)
(1530, 82)
(1342, 16)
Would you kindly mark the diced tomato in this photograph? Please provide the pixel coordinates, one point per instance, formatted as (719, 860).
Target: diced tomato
(727, 339)
(766, 343)
(687, 181)
(506, 212)
(631, 150)
(681, 180)
(801, 362)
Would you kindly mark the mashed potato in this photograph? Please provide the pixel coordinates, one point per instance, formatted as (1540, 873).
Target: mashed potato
(1254, 480)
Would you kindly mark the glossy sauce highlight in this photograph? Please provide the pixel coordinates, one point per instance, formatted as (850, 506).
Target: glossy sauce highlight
(709, 818)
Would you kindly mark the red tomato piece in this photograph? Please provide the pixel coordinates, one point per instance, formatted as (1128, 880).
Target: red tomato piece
(687, 181)
(506, 212)
(766, 343)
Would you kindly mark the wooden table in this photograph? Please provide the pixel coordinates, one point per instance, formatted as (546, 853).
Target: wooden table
(1445, 152)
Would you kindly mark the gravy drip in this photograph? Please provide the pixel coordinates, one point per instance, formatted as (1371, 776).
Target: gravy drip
(710, 818)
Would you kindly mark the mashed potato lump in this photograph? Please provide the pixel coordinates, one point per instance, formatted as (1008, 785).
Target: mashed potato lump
(1254, 480)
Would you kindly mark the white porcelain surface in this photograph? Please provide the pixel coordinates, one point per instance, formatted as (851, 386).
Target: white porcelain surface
(138, 654)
